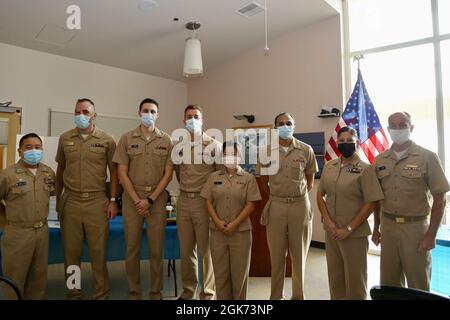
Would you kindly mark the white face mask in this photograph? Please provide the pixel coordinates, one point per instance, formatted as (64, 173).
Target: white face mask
(400, 136)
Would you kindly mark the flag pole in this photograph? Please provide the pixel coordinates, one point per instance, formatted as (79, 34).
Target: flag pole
(357, 58)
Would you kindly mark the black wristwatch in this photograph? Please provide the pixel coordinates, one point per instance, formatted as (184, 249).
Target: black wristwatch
(150, 200)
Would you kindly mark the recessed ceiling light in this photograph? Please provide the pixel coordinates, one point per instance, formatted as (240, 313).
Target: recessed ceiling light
(147, 5)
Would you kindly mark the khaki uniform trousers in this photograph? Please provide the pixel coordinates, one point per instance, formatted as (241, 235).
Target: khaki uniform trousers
(231, 260)
(25, 260)
(156, 230)
(400, 257)
(347, 267)
(289, 226)
(82, 217)
(193, 230)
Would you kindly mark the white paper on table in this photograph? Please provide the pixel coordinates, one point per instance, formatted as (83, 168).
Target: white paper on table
(52, 214)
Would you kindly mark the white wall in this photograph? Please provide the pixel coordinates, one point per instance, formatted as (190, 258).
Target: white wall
(37, 81)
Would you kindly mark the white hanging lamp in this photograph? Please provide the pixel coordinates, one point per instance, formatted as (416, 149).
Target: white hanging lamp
(193, 64)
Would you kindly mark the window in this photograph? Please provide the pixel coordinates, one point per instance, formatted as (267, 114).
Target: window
(401, 64)
(410, 88)
(376, 23)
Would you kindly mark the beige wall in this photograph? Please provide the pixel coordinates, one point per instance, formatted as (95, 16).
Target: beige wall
(302, 73)
(38, 81)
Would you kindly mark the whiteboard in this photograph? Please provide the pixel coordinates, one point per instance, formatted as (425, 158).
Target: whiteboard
(62, 121)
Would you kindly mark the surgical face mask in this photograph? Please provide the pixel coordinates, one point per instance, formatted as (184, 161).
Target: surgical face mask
(32, 157)
(231, 161)
(82, 121)
(148, 119)
(285, 132)
(194, 125)
(347, 149)
(400, 136)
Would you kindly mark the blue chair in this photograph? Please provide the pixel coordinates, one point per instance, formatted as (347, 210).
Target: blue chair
(11, 284)
(399, 293)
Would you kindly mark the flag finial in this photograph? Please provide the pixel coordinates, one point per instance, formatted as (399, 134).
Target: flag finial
(357, 58)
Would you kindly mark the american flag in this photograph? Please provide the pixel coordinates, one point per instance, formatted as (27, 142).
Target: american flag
(360, 114)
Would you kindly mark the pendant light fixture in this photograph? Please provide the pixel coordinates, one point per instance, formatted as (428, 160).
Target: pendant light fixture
(193, 64)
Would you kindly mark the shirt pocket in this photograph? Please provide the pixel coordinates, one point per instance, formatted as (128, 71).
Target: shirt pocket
(298, 169)
(161, 155)
(135, 152)
(412, 174)
(70, 149)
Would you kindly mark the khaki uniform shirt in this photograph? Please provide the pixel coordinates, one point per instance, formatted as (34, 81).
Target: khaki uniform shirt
(85, 160)
(347, 189)
(146, 159)
(230, 194)
(192, 176)
(290, 180)
(409, 182)
(26, 196)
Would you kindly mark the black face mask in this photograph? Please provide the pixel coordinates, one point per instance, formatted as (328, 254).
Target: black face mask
(347, 149)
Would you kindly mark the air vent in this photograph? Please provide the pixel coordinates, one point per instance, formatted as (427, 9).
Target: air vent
(250, 10)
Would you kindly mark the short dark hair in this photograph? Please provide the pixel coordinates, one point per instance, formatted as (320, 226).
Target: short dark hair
(229, 144)
(27, 136)
(86, 100)
(148, 100)
(348, 129)
(193, 107)
(282, 114)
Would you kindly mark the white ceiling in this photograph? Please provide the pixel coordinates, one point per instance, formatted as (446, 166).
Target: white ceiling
(117, 33)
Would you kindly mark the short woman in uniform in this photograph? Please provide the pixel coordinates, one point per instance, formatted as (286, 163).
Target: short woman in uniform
(346, 196)
(230, 195)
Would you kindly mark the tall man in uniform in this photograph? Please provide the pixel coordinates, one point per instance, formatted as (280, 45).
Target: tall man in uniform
(192, 216)
(288, 213)
(414, 186)
(145, 169)
(84, 153)
(26, 188)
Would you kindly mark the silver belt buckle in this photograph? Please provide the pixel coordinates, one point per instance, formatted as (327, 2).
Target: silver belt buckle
(84, 195)
(399, 220)
(147, 189)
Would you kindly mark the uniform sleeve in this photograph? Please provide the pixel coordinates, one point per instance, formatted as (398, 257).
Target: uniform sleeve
(207, 188)
(436, 180)
(60, 157)
(321, 187)
(253, 193)
(170, 148)
(111, 152)
(120, 154)
(311, 165)
(3, 185)
(370, 186)
(53, 192)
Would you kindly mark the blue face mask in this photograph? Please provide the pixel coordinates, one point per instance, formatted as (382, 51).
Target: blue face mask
(148, 119)
(193, 125)
(32, 157)
(82, 121)
(285, 132)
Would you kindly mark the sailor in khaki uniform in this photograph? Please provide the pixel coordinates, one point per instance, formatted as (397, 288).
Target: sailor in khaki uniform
(26, 188)
(350, 199)
(84, 155)
(230, 195)
(414, 186)
(288, 213)
(145, 169)
(192, 216)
